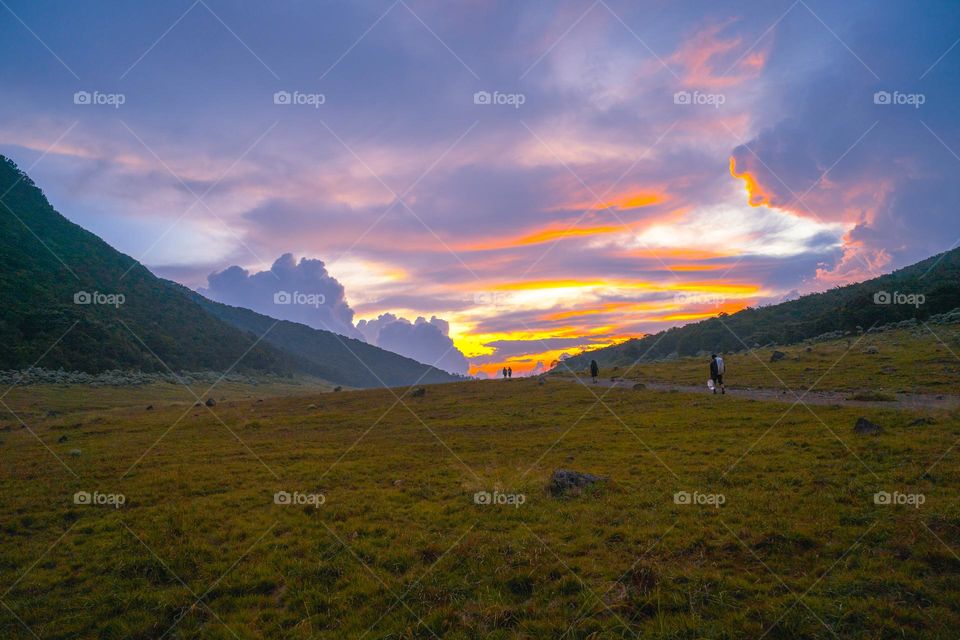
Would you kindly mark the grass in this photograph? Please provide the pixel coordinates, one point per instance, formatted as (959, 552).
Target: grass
(400, 549)
(901, 361)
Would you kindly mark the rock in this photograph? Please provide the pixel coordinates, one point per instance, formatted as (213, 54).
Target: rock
(776, 356)
(338, 389)
(871, 350)
(922, 421)
(564, 480)
(809, 349)
(196, 404)
(419, 392)
(311, 406)
(75, 453)
(639, 386)
(62, 438)
(210, 402)
(866, 428)
(149, 407)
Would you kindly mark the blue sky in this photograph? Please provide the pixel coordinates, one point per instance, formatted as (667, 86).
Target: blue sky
(637, 165)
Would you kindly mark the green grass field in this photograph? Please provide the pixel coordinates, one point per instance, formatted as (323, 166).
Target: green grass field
(893, 362)
(399, 548)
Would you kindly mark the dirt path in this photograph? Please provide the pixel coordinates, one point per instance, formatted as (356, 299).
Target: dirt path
(910, 401)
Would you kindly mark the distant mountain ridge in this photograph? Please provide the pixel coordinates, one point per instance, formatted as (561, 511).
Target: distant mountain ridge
(325, 354)
(69, 300)
(882, 300)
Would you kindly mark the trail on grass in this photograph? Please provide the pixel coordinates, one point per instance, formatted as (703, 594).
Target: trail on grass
(909, 401)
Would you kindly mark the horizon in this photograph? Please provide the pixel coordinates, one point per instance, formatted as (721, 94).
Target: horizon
(492, 185)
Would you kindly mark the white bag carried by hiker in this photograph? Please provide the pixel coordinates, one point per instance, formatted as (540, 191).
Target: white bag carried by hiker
(710, 385)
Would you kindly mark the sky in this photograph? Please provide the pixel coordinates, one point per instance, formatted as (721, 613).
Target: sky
(487, 184)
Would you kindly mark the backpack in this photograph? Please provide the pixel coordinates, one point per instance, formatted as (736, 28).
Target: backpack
(719, 365)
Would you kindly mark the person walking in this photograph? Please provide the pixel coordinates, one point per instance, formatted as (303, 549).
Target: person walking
(717, 369)
(594, 370)
(504, 373)
(510, 372)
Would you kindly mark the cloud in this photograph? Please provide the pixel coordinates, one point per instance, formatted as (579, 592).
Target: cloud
(423, 340)
(599, 177)
(305, 292)
(300, 292)
(836, 151)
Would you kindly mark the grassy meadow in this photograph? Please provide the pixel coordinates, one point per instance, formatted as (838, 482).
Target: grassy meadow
(383, 536)
(898, 361)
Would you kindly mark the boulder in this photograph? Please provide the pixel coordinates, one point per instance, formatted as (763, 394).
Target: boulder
(777, 356)
(564, 480)
(419, 392)
(62, 438)
(639, 386)
(871, 350)
(922, 421)
(210, 402)
(338, 388)
(866, 428)
(149, 407)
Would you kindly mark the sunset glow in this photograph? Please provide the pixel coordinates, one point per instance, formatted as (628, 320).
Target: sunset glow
(569, 192)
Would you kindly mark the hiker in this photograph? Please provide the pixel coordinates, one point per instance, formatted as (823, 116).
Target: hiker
(504, 373)
(510, 372)
(594, 370)
(716, 373)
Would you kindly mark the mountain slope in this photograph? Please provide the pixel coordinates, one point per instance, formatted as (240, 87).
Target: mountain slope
(849, 308)
(46, 260)
(325, 354)
(134, 320)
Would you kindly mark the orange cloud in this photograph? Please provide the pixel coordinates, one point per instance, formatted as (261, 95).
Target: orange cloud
(683, 268)
(755, 195)
(711, 61)
(630, 200)
(549, 234)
